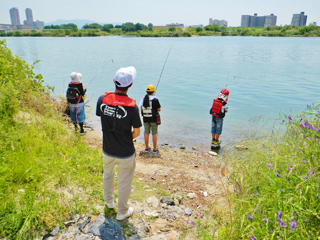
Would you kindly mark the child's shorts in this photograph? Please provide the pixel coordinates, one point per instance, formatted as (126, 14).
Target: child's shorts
(77, 114)
(150, 126)
(216, 127)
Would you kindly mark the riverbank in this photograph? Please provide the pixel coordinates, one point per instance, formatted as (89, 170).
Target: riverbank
(97, 30)
(163, 208)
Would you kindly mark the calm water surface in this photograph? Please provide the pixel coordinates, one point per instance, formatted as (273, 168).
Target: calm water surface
(265, 76)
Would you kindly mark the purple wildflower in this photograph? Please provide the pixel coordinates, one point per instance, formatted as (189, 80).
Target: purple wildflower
(289, 169)
(270, 167)
(235, 191)
(239, 187)
(281, 190)
(317, 139)
(282, 120)
(201, 217)
(187, 222)
(250, 217)
(294, 215)
(193, 223)
(282, 223)
(277, 175)
(293, 155)
(270, 230)
(279, 214)
(293, 225)
(252, 237)
(313, 172)
(266, 220)
(306, 220)
(289, 117)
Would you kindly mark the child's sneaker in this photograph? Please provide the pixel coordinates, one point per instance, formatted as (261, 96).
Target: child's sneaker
(82, 132)
(147, 149)
(218, 142)
(156, 150)
(110, 204)
(213, 142)
(121, 216)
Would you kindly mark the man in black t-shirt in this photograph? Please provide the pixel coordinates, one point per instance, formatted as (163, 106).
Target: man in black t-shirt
(120, 123)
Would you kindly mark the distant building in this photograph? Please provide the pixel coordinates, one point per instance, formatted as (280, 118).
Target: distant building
(221, 23)
(28, 24)
(258, 21)
(176, 25)
(197, 26)
(14, 16)
(299, 20)
(29, 15)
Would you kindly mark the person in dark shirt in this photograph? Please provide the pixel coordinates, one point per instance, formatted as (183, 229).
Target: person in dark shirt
(150, 106)
(120, 121)
(76, 103)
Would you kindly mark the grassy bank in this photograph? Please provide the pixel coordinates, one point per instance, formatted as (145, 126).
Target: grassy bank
(276, 183)
(47, 174)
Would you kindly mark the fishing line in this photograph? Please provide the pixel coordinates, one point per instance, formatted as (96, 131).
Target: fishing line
(163, 66)
(98, 72)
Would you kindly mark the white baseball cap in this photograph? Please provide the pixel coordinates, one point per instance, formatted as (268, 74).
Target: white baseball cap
(124, 76)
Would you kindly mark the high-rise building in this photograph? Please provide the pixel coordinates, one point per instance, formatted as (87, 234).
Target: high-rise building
(299, 20)
(29, 15)
(14, 15)
(258, 21)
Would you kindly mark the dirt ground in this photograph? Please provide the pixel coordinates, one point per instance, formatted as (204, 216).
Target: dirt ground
(180, 173)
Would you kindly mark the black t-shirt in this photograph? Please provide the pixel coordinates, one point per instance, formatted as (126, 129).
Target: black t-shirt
(155, 104)
(117, 132)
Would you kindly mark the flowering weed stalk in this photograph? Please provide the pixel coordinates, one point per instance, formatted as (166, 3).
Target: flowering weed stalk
(278, 196)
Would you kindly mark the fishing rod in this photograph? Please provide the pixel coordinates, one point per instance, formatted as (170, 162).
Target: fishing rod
(227, 80)
(98, 72)
(163, 66)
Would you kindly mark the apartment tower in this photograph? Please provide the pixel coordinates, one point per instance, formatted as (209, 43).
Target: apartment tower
(14, 15)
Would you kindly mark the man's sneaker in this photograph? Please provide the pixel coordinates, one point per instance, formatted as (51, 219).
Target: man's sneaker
(121, 216)
(156, 150)
(110, 204)
(147, 149)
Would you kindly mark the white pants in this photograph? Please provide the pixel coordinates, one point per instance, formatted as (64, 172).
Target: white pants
(126, 168)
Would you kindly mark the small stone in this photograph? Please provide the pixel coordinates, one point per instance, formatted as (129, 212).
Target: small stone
(188, 211)
(191, 195)
(182, 147)
(153, 202)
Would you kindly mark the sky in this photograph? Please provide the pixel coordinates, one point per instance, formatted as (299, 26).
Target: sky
(162, 12)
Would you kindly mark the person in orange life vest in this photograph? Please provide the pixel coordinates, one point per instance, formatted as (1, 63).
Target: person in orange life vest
(149, 106)
(218, 111)
(77, 112)
(120, 121)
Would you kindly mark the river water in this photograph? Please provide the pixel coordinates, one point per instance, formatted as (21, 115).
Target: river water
(265, 77)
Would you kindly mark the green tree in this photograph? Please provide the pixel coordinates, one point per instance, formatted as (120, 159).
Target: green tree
(52, 27)
(171, 29)
(128, 27)
(69, 26)
(150, 26)
(92, 26)
(199, 29)
(17, 34)
(106, 28)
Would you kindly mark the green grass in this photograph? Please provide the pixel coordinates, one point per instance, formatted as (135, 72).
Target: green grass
(47, 173)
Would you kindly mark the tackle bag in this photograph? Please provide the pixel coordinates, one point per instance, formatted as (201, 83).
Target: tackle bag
(158, 119)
